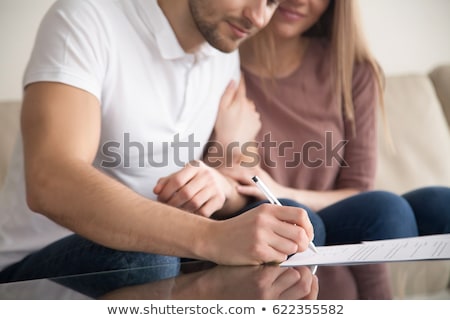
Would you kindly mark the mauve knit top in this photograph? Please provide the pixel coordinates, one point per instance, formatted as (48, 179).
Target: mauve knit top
(304, 141)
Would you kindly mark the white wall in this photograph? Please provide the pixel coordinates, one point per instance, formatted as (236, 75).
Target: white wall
(408, 35)
(405, 35)
(19, 20)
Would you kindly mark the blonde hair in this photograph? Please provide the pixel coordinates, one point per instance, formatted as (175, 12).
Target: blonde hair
(340, 25)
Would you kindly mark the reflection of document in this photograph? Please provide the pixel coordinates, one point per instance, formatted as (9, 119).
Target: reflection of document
(435, 247)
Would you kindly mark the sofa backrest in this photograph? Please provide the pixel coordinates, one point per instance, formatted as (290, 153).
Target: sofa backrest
(9, 128)
(420, 134)
(441, 80)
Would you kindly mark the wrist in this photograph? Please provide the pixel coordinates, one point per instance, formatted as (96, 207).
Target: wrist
(291, 193)
(234, 201)
(219, 157)
(203, 246)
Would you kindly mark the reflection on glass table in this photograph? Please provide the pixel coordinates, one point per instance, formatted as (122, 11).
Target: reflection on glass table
(203, 280)
(194, 281)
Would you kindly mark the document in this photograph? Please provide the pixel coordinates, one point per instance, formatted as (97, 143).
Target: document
(434, 247)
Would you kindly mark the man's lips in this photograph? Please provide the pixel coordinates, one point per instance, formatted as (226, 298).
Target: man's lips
(237, 31)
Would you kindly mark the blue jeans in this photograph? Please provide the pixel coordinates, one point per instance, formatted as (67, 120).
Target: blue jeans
(377, 215)
(367, 216)
(374, 215)
(75, 255)
(383, 215)
(431, 208)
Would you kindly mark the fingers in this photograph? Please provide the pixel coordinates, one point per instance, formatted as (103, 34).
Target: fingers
(191, 196)
(284, 228)
(314, 289)
(167, 187)
(250, 191)
(198, 198)
(298, 217)
(289, 238)
(195, 189)
(233, 94)
(237, 111)
(241, 90)
(285, 280)
(241, 174)
(229, 95)
(306, 286)
(292, 283)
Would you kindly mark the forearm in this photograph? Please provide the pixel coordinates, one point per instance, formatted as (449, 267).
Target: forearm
(234, 202)
(84, 200)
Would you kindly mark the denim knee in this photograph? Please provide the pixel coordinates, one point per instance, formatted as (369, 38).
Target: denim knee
(390, 215)
(74, 255)
(431, 206)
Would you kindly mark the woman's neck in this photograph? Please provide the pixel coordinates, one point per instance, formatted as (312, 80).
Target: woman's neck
(288, 56)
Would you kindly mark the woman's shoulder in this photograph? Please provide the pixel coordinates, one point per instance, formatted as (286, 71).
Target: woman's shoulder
(362, 68)
(366, 72)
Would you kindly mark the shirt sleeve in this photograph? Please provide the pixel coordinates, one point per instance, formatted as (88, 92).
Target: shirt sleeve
(70, 48)
(360, 155)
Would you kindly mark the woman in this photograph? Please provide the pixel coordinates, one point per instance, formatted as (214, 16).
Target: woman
(316, 87)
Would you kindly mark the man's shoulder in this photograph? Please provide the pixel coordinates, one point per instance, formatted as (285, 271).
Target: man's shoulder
(83, 17)
(74, 5)
(79, 8)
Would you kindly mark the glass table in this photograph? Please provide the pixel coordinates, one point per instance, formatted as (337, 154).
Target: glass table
(206, 281)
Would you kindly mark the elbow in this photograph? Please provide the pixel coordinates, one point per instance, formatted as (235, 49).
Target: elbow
(33, 202)
(37, 191)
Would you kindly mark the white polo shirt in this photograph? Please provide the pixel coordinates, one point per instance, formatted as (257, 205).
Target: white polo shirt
(158, 103)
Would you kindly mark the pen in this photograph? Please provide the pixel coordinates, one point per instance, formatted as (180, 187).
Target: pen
(273, 200)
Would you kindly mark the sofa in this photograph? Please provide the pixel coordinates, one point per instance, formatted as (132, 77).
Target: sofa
(417, 119)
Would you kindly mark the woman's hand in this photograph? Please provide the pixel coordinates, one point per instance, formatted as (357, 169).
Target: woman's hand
(237, 120)
(251, 190)
(243, 175)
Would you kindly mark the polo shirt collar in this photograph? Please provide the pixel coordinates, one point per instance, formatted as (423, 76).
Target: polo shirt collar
(166, 39)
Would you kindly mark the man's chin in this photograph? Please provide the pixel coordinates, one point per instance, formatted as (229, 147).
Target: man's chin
(228, 46)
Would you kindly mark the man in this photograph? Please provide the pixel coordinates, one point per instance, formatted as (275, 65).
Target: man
(108, 86)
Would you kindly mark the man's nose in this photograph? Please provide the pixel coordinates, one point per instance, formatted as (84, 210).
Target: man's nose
(257, 13)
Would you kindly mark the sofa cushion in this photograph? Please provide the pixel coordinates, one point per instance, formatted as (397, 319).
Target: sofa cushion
(441, 80)
(420, 135)
(9, 128)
